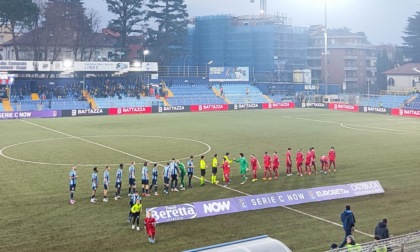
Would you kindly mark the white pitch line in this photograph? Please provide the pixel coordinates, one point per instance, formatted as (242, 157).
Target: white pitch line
(384, 130)
(97, 136)
(377, 131)
(131, 155)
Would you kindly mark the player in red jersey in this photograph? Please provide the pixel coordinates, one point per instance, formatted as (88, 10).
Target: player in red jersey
(313, 159)
(308, 162)
(254, 165)
(331, 157)
(149, 227)
(226, 171)
(276, 165)
(324, 164)
(299, 161)
(267, 166)
(289, 162)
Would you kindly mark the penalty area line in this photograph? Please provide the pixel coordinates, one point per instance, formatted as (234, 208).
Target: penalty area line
(131, 155)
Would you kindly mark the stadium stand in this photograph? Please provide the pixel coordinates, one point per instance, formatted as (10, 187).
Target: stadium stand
(124, 102)
(27, 104)
(1, 107)
(385, 101)
(190, 94)
(413, 103)
(236, 93)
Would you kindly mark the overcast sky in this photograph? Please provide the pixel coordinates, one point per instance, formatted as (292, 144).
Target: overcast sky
(383, 21)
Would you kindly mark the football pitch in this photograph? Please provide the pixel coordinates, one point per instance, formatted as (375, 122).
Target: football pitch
(36, 158)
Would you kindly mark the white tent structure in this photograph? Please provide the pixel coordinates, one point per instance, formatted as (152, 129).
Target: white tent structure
(255, 244)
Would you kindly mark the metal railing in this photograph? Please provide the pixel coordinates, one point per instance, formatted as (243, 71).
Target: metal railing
(403, 243)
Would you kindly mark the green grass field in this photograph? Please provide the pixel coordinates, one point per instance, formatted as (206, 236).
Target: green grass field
(35, 214)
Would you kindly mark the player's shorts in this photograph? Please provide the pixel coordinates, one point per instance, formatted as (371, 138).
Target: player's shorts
(166, 180)
(214, 170)
(299, 164)
(73, 187)
(203, 172)
(275, 168)
(190, 174)
(132, 181)
(145, 182)
(174, 177)
(154, 181)
(117, 185)
(313, 162)
(105, 187)
(267, 168)
(243, 172)
(332, 160)
(151, 231)
(288, 165)
(94, 188)
(307, 163)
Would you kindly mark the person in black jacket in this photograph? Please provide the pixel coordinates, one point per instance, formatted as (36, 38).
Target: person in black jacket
(348, 220)
(382, 230)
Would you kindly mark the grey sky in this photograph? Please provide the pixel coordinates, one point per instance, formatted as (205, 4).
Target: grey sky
(383, 21)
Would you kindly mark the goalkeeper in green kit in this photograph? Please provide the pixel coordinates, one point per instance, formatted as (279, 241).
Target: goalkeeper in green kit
(181, 167)
(243, 167)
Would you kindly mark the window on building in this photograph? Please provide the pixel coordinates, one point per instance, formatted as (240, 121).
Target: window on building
(391, 82)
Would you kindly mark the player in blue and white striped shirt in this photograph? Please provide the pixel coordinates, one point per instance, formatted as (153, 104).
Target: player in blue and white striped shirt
(106, 183)
(166, 177)
(94, 184)
(118, 182)
(190, 170)
(132, 179)
(154, 179)
(174, 176)
(73, 177)
(145, 180)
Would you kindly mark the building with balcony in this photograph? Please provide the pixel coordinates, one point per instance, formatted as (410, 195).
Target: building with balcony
(350, 59)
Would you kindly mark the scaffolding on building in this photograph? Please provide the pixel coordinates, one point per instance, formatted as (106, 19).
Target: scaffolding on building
(271, 46)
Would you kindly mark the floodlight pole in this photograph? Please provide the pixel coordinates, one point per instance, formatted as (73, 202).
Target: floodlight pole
(325, 48)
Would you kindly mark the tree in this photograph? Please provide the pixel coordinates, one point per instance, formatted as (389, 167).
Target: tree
(383, 63)
(412, 40)
(130, 18)
(17, 16)
(67, 25)
(167, 40)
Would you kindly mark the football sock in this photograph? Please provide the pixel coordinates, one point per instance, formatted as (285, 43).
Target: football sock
(129, 190)
(71, 195)
(201, 180)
